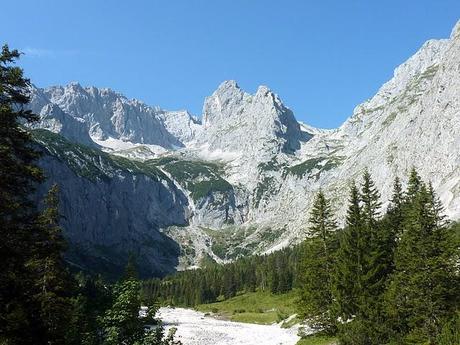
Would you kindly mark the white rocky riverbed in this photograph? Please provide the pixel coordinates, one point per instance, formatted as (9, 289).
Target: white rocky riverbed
(193, 328)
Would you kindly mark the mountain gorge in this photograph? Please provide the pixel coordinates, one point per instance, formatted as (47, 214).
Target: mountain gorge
(174, 189)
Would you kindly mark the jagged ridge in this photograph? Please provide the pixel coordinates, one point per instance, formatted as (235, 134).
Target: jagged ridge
(248, 167)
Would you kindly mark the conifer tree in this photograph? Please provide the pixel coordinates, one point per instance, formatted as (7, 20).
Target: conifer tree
(317, 266)
(18, 216)
(413, 186)
(375, 236)
(378, 265)
(52, 284)
(121, 322)
(371, 204)
(349, 260)
(131, 269)
(360, 268)
(392, 225)
(395, 209)
(423, 290)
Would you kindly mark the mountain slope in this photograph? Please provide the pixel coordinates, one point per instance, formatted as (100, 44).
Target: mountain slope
(241, 180)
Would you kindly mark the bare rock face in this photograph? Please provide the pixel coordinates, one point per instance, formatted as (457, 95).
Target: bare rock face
(112, 207)
(241, 179)
(108, 117)
(267, 126)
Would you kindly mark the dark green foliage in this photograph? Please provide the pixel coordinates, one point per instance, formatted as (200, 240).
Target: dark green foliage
(424, 289)
(322, 164)
(121, 323)
(396, 279)
(35, 288)
(349, 261)
(18, 178)
(106, 314)
(92, 298)
(200, 178)
(395, 214)
(317, 265)
(413, 186)
(131, 269)
(450, 331)
(276, 273)
(272, 165)
(53, 286)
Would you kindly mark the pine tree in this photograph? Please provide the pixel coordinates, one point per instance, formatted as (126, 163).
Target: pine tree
(392, 225)
(375, 255)
(317, 266)
(322, 222)
(18, 216)
(423, 289)
(121, 322)
(370, 198)
(53, 286)
(349, 260)
(131, 269)
(378, 265)
(413, 186)
(395, 209)
(360, 268)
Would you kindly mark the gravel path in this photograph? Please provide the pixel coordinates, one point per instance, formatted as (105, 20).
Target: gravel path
(193, 328)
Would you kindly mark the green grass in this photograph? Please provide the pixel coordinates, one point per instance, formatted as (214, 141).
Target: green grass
(89, 162)
(272, 165)
(254, 307)
(317, 340)
(305, 167)
(200, 178)
(322, 164)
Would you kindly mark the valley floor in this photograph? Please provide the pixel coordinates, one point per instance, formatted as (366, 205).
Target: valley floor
(193, 328)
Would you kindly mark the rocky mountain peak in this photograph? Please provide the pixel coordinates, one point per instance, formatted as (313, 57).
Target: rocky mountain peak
(222, 103)
(409, 80)
(230, 114)
(109, 118)
(249, 164)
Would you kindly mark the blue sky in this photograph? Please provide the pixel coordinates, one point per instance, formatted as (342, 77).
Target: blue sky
(322, 57)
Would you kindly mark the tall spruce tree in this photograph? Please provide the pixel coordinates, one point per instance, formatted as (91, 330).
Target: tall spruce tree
(35, 288)
(18, 216)
(131, 272)
(395, 209)
(423, 290)
(372, 233)
(392, 225)
(378, 265)
(361, 268)
(52, 284)
(413, 186)
(371, 204)
(317, 266)
(349, 260)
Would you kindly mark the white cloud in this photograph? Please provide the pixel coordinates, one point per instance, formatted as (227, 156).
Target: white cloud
(47, 53)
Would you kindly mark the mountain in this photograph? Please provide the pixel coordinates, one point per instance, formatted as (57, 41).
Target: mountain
(176, 189)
